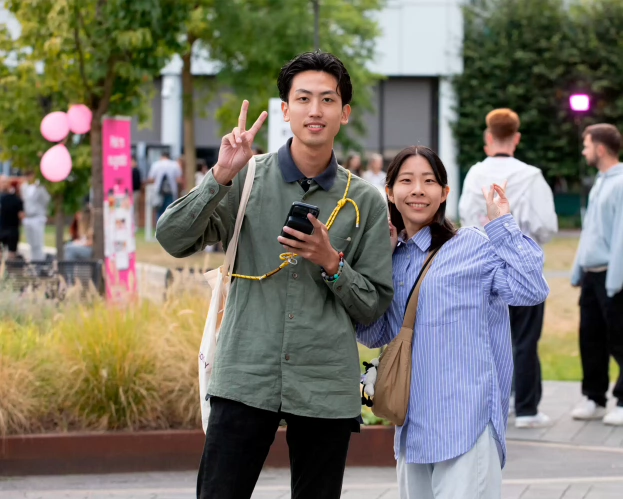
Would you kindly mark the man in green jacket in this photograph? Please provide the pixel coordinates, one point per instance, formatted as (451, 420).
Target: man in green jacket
(287, 347)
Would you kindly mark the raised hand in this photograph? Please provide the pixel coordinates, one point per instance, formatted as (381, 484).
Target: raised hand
(236, 147)
(315, 247)
(497, 206)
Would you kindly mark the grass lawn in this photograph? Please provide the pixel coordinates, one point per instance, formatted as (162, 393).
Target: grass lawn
(559, 343)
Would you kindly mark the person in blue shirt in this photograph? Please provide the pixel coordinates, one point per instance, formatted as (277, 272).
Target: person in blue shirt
(453, 441)
(598, 269)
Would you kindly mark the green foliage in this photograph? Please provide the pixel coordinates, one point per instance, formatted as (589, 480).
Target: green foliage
(531, 55)
(104, 54)
(254, 38)
(27, 99)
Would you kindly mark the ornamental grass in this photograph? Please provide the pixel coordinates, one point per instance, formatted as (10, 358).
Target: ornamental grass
(84, 365)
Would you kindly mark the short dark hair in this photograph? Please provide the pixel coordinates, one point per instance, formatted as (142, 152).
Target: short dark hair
(165, 154)
(316, 61)
(605, 134)
(441, 229)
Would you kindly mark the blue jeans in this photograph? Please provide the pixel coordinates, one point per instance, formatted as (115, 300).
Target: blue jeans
(76, 253)
(167, 199)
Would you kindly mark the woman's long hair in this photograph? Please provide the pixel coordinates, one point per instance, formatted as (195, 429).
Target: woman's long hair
(441, 228)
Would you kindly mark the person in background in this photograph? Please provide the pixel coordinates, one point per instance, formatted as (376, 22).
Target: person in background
(353, 164)
(81, 246)
(533, 209)
(11, 215)
(375, 174)
(136, 191)
(202, 170)
(3, 187)
(167, 176)
(36, 201)
(598, 269)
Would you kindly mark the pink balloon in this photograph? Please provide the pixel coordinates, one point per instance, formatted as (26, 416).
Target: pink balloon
(56, 163)
(55, 127)
(80, 117)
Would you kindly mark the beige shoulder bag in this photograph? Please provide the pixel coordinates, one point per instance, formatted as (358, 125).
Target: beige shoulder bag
(393, 381)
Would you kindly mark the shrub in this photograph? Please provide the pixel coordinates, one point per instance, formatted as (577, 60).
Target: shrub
(78, 365)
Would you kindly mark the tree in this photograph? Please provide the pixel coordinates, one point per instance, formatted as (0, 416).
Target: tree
(103, 53)
(26, 100)
(252, 39)
(517, 54)
(196, 33)
(531, 55)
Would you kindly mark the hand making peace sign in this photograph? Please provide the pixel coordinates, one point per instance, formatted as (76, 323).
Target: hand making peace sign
(235, 151)
(496, 206)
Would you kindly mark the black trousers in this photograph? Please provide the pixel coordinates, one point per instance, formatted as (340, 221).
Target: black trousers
(238, 440)
(526, 326)
(601, 335)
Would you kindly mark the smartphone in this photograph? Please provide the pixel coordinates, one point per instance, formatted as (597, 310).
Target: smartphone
(297, 219)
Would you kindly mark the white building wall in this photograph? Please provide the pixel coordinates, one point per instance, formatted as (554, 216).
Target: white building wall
(420, 38)
(423, 38)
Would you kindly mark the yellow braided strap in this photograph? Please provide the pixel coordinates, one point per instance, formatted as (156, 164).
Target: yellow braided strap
(290, 258)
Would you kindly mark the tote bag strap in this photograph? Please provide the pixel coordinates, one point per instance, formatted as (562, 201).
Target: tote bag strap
(230, 256)
(411, 311)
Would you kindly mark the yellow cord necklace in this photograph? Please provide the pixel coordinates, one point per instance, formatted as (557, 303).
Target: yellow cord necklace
(290, 258)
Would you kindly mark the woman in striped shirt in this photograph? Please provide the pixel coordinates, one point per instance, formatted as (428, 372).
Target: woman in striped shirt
(452, 444)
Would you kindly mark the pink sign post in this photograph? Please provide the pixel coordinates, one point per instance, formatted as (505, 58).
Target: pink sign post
(119, 239)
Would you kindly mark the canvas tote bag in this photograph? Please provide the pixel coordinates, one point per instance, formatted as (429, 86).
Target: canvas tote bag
(219, 281)
(393, 381)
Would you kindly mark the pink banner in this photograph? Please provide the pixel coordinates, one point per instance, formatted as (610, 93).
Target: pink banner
(119, 237)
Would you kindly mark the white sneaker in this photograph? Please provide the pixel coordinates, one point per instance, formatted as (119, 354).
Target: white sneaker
(539, 421)
(587, 410)
(614, 417)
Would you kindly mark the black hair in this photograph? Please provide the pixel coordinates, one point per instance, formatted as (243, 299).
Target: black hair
(201, 163)
(316, 61)
(441, 228)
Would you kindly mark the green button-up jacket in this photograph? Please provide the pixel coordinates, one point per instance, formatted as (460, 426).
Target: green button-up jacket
(288, 342)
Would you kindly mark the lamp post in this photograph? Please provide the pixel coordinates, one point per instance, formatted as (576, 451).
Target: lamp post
(580, 104)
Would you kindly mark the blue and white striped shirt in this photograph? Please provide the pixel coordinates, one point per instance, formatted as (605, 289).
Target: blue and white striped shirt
(462, 353)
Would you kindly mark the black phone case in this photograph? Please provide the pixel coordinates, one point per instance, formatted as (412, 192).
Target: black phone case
(297, 221)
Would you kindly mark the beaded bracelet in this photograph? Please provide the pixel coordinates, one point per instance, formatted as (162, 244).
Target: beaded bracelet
(334, 277)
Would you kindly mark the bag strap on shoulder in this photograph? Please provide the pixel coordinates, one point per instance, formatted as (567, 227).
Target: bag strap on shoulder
(411, 310)
(232, 247)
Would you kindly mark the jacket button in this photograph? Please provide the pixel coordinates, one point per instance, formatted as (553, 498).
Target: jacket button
(287, 357)
(295, 276)
(339, 288)
(291, 316)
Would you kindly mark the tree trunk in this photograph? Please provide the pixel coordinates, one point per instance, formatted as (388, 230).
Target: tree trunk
(97, 183)
(60, 227)
(190, 148)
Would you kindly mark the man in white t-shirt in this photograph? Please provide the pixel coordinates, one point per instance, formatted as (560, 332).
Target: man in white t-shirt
(533, 208)
(375, 174)
(166, 175)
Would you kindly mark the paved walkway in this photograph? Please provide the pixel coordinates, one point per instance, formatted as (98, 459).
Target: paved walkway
(570, 460)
